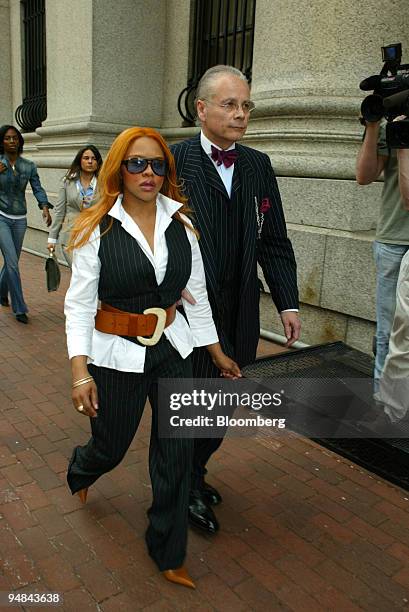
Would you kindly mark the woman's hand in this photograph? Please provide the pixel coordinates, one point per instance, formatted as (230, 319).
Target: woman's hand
(84, 396)
(51, 246)
(85, 399)
(3, 167)
(46, 216)
(227, 366)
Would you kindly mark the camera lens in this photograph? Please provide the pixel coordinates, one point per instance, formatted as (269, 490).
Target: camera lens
(372, 108)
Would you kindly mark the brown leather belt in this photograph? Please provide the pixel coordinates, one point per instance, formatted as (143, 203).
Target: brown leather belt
(152, 322)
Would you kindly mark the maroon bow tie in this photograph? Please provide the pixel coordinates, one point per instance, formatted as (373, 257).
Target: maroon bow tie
(224, 157)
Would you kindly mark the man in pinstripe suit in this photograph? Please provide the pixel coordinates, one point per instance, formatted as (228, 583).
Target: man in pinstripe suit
(237, 209)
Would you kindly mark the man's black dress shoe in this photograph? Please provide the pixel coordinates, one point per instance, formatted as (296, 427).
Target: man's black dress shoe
(22, 318)
(211, 495)
(200, 514)
(4, 301)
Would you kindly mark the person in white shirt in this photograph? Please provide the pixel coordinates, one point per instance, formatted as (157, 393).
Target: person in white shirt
(76, 193)
(135, 250)
(393, 391)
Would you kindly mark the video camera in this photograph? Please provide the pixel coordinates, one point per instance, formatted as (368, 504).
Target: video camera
(390, 96)
(397, 132)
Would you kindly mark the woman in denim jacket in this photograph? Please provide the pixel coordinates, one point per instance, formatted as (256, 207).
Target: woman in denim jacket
(15, 173)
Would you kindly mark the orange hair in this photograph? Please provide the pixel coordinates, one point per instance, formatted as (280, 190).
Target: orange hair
(110, 185)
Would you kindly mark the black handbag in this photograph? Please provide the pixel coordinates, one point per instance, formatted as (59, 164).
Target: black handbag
(52, 272)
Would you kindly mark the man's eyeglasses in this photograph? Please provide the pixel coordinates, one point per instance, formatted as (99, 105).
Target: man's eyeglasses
(136, 165)
(230, 106)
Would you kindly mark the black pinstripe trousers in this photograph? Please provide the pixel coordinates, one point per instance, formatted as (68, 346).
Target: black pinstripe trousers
(121, 399)
(203, 367)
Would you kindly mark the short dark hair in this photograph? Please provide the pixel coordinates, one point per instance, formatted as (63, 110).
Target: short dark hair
(75, 168)
(6, 128)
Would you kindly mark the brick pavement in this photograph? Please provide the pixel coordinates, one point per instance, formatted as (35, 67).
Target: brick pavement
(302, 529)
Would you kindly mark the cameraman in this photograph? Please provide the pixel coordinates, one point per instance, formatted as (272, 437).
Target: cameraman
(392, 232)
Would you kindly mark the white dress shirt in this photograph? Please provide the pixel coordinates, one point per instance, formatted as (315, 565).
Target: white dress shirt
(81, 301)
(226, 174)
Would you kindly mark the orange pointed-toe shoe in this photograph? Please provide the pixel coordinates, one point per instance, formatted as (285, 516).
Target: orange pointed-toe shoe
(83, 495)
(179, 576)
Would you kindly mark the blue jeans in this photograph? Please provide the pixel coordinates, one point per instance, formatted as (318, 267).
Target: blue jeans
(387, 260)
(11, 241)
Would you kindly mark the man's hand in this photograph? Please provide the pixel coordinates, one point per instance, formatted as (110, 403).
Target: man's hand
(46, 216)
(369, 164)
(3, 167)
(186, 295)
(292, 326)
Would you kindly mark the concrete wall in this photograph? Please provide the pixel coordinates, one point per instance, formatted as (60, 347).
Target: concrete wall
(305, 84)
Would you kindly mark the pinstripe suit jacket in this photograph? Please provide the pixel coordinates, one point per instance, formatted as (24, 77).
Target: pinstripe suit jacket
(253, 178)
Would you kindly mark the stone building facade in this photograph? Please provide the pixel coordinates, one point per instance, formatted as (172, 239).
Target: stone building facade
(115, 64)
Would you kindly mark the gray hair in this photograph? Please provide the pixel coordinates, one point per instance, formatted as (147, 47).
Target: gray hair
(205, 87)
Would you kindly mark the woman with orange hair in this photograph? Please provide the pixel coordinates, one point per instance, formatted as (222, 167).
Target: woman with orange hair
(136, 252)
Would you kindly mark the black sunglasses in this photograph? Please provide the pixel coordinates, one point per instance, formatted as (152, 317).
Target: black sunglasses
(136, 165)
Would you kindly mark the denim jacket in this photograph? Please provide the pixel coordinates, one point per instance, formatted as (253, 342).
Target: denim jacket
(13, 186)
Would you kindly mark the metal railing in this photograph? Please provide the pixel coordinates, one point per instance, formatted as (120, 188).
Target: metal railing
(222, 33)
(32, 112)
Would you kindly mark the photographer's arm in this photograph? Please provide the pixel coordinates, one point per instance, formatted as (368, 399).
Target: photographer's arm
(369, 163)
(403, 159)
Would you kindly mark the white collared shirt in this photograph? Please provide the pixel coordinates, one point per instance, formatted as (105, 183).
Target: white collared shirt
(226, 174)
(81, 301)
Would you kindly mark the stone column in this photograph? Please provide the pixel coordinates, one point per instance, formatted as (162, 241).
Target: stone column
(178, 15)
(104, 67)
(6, 111)
(105, 64)
(309, 57)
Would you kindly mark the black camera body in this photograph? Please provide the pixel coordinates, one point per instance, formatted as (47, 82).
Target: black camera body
(393, 79)
(397, 135)
(390, 96)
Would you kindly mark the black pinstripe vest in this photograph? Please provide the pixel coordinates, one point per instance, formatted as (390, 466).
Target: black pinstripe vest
(127, 278)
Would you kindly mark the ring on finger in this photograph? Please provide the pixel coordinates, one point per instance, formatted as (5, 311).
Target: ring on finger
(80, 408)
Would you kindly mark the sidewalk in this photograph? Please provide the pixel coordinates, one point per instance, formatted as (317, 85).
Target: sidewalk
(301, 528)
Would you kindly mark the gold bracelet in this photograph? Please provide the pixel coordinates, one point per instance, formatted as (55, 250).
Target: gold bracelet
(82, 381)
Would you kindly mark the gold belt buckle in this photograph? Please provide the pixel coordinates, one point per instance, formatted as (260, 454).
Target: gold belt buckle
(160, 326)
